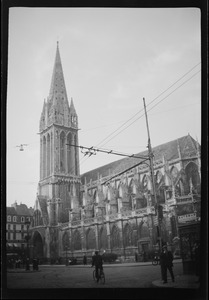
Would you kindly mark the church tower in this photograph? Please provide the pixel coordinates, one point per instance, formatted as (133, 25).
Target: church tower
(59, 160)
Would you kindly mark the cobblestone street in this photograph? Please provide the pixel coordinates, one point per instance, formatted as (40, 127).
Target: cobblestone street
(59, 282)
(81, 277)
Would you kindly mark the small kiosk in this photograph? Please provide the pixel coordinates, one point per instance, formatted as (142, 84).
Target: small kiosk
(189, 234)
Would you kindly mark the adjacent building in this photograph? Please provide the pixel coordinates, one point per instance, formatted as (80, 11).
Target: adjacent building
(19, 218)
(111, 208)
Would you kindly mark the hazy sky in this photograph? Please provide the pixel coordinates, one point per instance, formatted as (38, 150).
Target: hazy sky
(111, 59)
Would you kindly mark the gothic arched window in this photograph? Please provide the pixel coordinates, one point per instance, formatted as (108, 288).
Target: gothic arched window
(159, 176)
(179, 188)
(62, 152)
(132, 187)
(51, 153)
(145, 182)
(41, 158)
(90, 239)
(128, 236)
(144, 232)
(95, 197)
(37, 218)
(65, 241)
(75, 155)
(48, 155)
(69, 142)
(103, 238)
(120, 191)
(44, 157)
(115, 238)
(76, 240)
(174, 173)
(193, 177)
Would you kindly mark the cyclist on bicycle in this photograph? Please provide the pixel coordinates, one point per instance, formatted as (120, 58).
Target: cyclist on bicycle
(97, 261)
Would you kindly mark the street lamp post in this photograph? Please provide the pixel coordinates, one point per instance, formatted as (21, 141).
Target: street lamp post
(27, 237)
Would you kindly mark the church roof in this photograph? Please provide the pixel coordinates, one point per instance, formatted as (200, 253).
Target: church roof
(187, 146)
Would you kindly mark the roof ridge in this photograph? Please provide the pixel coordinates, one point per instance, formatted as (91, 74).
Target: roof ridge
(127, 158)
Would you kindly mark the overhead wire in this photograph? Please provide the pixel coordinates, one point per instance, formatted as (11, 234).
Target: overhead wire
(147, 106)
(150, 109)
(108, 140)
(149, 103)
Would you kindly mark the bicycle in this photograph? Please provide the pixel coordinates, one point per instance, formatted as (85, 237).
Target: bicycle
(101, 276)
(156, 260)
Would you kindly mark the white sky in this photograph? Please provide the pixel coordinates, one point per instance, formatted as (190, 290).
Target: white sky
(111, 59)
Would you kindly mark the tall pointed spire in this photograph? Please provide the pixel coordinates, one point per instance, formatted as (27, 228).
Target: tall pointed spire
(57, 110)
(57, 83)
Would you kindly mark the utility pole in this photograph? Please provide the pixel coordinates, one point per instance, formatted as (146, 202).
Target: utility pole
(152, 175)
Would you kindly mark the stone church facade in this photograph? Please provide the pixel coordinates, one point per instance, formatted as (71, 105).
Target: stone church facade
(111, 208)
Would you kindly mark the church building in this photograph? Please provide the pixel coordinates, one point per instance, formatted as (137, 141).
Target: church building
(112, 208)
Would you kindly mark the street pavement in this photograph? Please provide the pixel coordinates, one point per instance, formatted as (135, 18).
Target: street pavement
(132, 280)
(181, 280)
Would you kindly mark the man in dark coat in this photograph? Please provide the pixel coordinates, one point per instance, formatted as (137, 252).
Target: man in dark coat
(166, 261)
(97, 261)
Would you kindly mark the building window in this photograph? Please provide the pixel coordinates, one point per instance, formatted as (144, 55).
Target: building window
(14, 219)
(22, 231)
(8, 218)
(22, 219)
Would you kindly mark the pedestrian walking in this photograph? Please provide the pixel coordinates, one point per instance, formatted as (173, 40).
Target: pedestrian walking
(136, 257)
(35, 264)
(27, 264)
(166, 260)
(84, 260)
